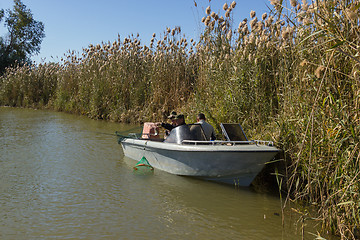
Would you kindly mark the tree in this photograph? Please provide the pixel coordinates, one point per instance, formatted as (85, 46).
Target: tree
(24, 36)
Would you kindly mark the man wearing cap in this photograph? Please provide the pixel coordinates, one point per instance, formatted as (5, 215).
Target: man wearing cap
(168, 126)
(176, 120)
(179, 120)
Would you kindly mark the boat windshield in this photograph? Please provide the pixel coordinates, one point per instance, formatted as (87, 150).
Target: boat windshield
(233, 132)
(186, 132)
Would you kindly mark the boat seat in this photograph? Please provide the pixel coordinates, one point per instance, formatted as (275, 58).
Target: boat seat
(197, 132)
(233, 132)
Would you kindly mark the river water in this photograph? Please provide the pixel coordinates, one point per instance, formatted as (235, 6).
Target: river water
(65, 177)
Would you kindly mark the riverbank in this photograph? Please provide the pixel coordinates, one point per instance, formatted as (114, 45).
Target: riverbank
(293, 80)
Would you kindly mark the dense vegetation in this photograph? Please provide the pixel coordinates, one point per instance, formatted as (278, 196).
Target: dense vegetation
(291, 76)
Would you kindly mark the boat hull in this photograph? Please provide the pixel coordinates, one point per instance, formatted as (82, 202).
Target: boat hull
(234, 164)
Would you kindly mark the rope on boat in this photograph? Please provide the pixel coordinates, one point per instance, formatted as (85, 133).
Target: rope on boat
(121, 137)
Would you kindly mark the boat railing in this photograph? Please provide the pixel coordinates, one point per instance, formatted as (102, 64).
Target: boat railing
(230, 143)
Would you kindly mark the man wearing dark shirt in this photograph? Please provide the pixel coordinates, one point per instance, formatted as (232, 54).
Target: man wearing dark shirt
(176, 120)
(208, 129)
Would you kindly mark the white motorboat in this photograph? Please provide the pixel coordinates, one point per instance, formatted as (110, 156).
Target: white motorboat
(186, 152)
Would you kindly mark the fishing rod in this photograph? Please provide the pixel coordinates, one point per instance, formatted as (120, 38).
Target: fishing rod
(117, 133)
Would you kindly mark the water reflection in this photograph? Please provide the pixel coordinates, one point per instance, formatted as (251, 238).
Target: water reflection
(64, 176)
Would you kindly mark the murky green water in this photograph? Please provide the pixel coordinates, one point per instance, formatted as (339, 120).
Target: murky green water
(65, 177)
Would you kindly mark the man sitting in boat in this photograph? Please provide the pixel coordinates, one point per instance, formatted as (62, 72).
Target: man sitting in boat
(207, 127)
(179, 130)
(169, 126)
(176, 120)
(179, 120)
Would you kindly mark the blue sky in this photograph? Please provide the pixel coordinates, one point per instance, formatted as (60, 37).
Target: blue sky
(74, 24)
